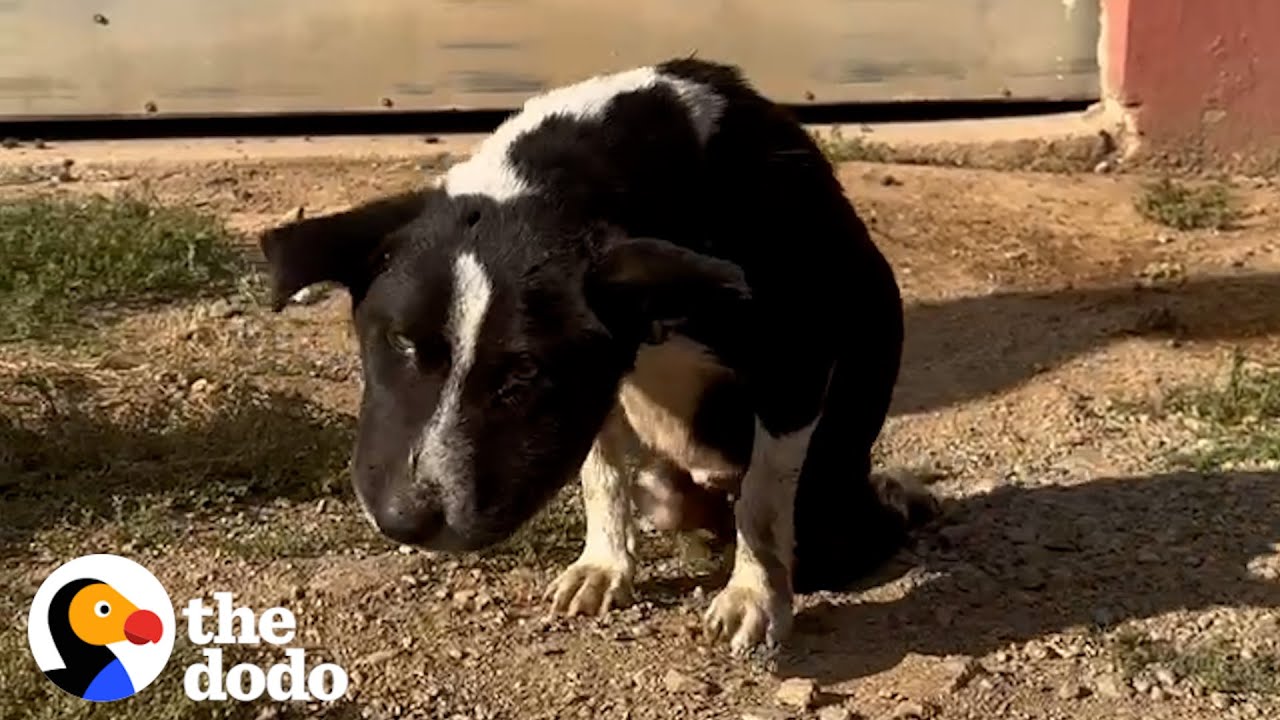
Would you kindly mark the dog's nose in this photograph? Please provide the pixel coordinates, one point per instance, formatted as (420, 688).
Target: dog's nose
(409, 526)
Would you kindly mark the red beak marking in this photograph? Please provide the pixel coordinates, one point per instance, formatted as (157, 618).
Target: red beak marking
(142, 627)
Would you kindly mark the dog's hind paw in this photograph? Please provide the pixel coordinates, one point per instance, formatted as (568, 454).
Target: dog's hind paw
(587, 588)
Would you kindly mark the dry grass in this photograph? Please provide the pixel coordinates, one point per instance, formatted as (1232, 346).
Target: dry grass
(1239, 418)
(1214, 667)
(1175, 204)
(68, 262)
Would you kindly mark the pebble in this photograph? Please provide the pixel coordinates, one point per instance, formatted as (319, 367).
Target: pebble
(1220, 701)
(908, 710)
(376, 658)
(835, 712)
(1157, 693)
(677, 682)
(1109, 687)
(764, 713)
(1071, 690)
(1142, 685)
(799, 693)
(1165, 677)
(960, 672)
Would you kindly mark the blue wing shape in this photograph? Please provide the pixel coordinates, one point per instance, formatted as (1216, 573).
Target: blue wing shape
(112, 683)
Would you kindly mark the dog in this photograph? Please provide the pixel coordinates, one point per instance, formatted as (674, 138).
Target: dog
(651, 280)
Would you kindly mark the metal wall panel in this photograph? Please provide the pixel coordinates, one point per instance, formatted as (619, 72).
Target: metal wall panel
(210, 57)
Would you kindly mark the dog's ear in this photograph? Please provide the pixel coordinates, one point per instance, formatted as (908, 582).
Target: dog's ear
(642, 287)
(347, 248)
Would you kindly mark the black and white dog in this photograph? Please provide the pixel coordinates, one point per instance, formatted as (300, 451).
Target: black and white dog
(651, 280)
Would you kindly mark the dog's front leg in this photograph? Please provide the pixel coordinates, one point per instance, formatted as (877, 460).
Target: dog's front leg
(755, 607)
(601, 578)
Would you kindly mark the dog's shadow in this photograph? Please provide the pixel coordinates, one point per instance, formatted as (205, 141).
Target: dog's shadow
(1021, 563)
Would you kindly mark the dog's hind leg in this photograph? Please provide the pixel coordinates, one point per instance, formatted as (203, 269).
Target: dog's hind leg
(602, 577)
(849, 521)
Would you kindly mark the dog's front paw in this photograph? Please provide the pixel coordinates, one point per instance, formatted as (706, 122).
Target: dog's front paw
(590, 588)
(748, 617)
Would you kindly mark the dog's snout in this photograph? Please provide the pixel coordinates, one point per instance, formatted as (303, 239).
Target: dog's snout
(414, 525)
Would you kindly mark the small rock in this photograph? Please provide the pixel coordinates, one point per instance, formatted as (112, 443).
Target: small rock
(1109, 687)
(909, 710)
(200, 386)
(960, 672)
(764, 713)
(1220, 701)
(1103, 167)
(39, 144)
(462, 599)
(223, 309)
(10, 143)
(1142, 686)
(1071, 690)
(1157, 693)
(890, 181)
(799, 693)
(1165, 677)
(835, 712)
(677, 682)
(376, 658)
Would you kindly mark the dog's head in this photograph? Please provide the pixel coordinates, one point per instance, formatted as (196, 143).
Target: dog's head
(492, 340)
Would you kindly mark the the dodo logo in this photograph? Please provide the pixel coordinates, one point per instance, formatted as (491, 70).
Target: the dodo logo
(101, 627)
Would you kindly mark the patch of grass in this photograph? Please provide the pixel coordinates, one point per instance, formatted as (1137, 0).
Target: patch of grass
(839, 148)
(66, 257)
(1185, 207)
(76, 458)
(299, 532)
(1216, 667)
(1241, 418)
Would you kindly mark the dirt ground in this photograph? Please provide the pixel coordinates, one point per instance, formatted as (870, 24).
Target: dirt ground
(1046, 324)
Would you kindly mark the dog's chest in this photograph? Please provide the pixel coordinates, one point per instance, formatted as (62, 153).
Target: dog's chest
(663, 399)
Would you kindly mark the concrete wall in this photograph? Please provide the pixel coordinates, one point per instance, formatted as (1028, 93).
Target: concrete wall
(1196, 76)
(131, 58)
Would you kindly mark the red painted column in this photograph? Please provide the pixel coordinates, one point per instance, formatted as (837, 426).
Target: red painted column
(1204, 73)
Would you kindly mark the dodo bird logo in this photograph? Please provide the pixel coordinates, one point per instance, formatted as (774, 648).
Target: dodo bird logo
(101, 627)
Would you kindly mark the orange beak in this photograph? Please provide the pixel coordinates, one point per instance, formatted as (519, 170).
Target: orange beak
(142, 627)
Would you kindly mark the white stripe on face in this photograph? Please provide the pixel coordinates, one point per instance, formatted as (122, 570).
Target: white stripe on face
(442, 452)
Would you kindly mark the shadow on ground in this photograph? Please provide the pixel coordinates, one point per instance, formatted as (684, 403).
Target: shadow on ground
(79, 456)
(964, 349)
(1020, 563)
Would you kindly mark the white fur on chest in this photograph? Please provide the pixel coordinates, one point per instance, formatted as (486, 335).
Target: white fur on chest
(661, 397)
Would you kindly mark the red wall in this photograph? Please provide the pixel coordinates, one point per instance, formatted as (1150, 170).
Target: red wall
(1200, 71)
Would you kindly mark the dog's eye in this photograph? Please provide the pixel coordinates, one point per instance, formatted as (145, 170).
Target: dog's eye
(401, 344)
(518, 378)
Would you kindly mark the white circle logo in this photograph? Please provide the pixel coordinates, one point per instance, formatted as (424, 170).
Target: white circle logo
(101, 627)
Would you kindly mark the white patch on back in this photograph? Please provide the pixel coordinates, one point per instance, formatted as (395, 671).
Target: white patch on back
(441, 452)
(489, 170)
